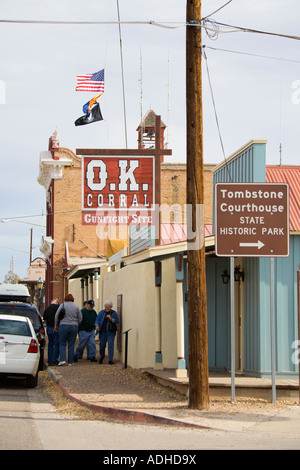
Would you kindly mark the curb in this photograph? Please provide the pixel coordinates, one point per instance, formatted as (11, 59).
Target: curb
(120, 415)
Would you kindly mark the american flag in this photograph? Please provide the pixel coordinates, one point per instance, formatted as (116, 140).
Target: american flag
(91, 82)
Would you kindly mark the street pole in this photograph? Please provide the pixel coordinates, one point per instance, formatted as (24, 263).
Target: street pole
(272, 329)
(197, 310)
(232, 329)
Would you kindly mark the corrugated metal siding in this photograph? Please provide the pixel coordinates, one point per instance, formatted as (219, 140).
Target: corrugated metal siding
(291, 176)
(218, 314)
(286, 311)
(140, 238)
(257, 340)
(251, 316)
(246, 166)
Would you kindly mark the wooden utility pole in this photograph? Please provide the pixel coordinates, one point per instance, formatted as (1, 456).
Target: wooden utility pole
(197, 310)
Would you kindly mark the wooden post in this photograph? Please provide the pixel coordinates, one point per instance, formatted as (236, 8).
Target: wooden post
(197, 310)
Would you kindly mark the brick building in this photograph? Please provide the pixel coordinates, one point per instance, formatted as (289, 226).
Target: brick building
(68, 242)
(173, 186)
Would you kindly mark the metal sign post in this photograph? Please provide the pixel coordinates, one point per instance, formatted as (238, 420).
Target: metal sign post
(232, 330)
(272, 325)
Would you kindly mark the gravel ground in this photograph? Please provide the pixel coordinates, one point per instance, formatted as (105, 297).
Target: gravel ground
(112, 386)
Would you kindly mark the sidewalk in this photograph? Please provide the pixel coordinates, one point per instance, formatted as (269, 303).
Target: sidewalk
(134, 396)
(245, 386)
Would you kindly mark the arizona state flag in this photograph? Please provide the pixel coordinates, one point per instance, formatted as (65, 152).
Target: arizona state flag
(87, 106)
(93, 116)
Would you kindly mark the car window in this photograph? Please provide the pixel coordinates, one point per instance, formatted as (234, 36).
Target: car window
(23, 312)
(13, 327)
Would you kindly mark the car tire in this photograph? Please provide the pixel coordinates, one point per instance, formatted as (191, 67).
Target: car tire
(41, 363)
(32, 381)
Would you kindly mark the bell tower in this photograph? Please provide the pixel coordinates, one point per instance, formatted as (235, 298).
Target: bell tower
(146, 132)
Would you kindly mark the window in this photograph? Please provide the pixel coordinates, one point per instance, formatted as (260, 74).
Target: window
(23, 312)
(13, 327)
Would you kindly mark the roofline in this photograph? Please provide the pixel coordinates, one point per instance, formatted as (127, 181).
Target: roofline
(84, 267)
(242, 149)
(160, 251)
(283, 166)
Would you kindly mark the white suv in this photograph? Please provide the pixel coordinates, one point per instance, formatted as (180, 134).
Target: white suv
(19, 349)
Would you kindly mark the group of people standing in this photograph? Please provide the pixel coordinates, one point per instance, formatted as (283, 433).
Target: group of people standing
(66, 320)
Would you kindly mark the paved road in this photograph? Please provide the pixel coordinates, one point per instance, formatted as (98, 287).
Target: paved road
(29, 421)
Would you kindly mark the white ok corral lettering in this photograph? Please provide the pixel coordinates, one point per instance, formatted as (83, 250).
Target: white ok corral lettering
(96, 169)
(93, 167)
(126, 175)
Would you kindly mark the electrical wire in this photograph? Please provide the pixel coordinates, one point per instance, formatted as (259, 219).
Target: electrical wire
(257, 31)
(213, 31)
(4, 219)
(65, 22)
(216, 11)
(215, 111)
(251, 54)
(14, 249)
(168, 25)
(21, 222)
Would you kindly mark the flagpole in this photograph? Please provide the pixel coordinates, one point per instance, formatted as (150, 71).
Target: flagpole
(121, 53)
(141, 103)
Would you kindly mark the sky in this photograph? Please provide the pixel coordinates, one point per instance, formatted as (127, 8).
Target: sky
(255, 84)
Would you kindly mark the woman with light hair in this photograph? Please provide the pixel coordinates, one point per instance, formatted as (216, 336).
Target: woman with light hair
(106, 323)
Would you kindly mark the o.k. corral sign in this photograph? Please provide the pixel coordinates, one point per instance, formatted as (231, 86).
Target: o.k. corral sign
(118, 189)
(251, 219)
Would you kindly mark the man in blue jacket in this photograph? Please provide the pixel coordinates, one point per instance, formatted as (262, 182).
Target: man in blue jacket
(106, 323)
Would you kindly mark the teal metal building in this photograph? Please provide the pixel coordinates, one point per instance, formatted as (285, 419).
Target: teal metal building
(252, 290)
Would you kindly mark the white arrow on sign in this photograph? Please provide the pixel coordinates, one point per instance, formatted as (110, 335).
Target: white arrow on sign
(258, 245)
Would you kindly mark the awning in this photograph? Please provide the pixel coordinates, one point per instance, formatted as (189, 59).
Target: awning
(79, 272)
(161, 252)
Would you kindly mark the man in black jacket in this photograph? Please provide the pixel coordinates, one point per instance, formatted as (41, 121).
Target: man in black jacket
(53, 342)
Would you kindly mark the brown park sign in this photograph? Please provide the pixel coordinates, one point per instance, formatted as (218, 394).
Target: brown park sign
(251, 219)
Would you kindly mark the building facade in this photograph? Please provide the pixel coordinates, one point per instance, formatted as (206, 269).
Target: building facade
(69, 242)
(149, 289)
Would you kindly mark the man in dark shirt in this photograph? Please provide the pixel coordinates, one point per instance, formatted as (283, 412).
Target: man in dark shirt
(53, 340)
(86, 333)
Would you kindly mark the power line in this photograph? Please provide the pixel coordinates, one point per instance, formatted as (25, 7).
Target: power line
(21, 222)
(216, 11)
(66, 22)
(257, 31)
(14, 249)
(251, 54)
(166, 24)
(4, 219)
(215, 112)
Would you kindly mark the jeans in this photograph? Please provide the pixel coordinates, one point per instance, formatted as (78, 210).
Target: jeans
(86, 339)
(67, 334)
(107, 337)
(53, 345)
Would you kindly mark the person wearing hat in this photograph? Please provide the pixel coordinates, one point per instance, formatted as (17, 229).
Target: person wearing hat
(106, 323)
(86, 333)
